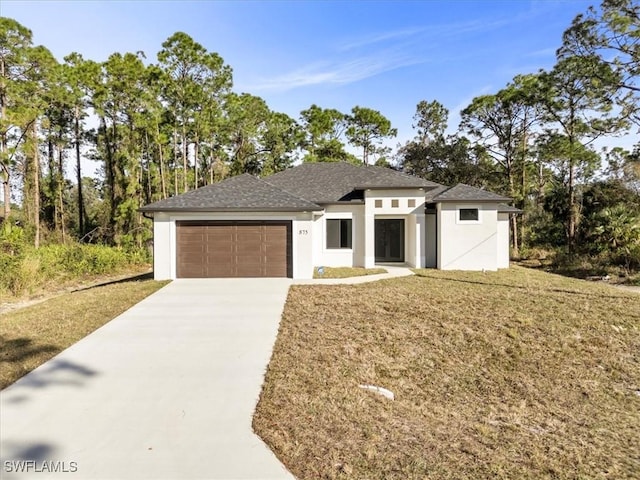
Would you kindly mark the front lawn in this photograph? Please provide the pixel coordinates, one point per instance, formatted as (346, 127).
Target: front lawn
(510, 374)
(32, 335)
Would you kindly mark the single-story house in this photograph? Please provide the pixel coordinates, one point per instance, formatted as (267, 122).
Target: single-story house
(327, 214)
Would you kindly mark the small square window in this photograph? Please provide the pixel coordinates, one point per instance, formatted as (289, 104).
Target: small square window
(412, 203)
(378, 203)
(339, 233)
(469, 215)
(395, 203)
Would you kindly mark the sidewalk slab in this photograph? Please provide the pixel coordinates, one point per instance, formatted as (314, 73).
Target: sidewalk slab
(393, 271)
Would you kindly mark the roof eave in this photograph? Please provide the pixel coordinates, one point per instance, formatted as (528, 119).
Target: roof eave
(510, 209)
(344, 202)
(391, 187)
(313, 208)
(476, 200)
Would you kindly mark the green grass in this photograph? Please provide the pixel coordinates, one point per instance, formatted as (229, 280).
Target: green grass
(347, 272)
(32, 335)
(516, 374)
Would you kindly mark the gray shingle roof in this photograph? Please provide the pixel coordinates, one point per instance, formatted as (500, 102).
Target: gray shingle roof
(431, 194)
(243, 192)
(333, 182)
(466, 193)
(503, 208)
(304, 187)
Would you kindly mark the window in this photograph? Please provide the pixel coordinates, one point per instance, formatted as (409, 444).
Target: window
(339, 233)
(411, 203)
(469, 215)
(395, 203)
(378, 203)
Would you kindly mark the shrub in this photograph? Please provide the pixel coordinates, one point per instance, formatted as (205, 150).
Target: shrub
(24, 268)
(618, 234)
(12, 239)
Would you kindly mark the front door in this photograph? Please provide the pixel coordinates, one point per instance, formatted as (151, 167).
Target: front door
(389, 234)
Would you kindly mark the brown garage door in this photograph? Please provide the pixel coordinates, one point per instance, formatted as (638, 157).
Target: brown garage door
(233, 249)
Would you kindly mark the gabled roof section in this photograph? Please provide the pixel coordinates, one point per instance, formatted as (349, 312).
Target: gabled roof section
(241, 193)
(331, 182)
(431, 194)
(465, 193)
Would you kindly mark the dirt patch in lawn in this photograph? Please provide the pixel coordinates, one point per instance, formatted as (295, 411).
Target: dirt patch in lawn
(510, 374)
(32, 335)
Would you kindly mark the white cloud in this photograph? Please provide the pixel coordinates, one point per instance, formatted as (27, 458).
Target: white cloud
(544, 52)
(381, 37)
(336, 73)
(455, 113)
(374, 62)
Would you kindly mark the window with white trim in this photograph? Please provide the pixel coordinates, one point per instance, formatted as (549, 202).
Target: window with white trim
(339, 233)
(469, 215)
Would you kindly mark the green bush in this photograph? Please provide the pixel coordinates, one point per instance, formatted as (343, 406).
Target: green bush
(24, 268)
(12, 239)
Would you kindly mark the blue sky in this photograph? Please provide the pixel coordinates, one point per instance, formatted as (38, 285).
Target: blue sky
(336, 54)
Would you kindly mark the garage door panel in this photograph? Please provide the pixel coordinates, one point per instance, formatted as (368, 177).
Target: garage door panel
(277, 232)
(225, 249)
(187, 270)
(221, 271)
(194, 241)
(275, 249)
(279, 242)
(275, 271)
(249, 229)
(233, 249)
(252, 270)
(219, 239)
(250, 260)
(192, 249)
(190, 229)
(249, 248)
(218, 259)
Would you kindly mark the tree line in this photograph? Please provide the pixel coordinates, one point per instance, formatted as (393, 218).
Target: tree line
(162, 128)
(534, 141)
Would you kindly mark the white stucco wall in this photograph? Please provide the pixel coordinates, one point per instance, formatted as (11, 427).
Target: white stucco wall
(503, 240)
(164, 241)
(431, 261)
(467, 246)
(411, 249)
(362, 253)
(162, 246)
(339, 257)
(414, 222)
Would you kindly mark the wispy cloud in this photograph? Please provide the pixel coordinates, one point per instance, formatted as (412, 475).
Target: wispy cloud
(381, 37)
(461, 28)
(337, 73)
(361, 58)
(543, 52)
(456, 112)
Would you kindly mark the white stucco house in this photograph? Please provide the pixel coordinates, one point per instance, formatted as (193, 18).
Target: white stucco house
(327, 214)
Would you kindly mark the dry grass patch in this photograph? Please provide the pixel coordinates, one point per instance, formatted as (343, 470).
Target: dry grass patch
(33, 335)
(347, 272)
(59, 283)
(511, 374)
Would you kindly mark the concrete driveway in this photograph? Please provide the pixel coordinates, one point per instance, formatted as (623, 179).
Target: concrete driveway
(165, 391)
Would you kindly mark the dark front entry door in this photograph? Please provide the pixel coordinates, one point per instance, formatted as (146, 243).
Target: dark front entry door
(389, 235)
